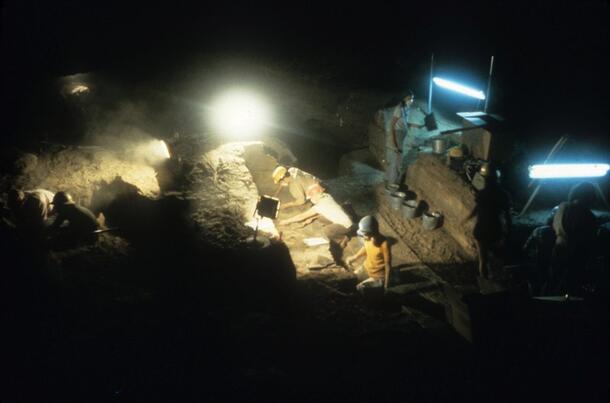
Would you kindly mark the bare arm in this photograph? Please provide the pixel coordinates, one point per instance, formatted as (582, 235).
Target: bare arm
(359, 254)
(294, 203)
(53, 228)
(387, 257)
(299, 217)
(299, 200)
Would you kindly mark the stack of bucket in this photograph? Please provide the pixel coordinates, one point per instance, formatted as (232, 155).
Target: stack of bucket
(409, 209)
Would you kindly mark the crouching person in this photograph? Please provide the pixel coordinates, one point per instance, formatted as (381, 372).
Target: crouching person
(30, 211)
(378, 262)
(81, 223)
(337, 225)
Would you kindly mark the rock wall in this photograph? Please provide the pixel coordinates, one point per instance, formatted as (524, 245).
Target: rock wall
(445, 191)
(433, 247)
(376, 135)
(79, 170)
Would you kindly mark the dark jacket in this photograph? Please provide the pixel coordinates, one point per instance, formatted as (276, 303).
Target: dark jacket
(81, 220)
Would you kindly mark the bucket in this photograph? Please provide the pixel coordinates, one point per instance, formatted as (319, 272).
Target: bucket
(439, 146)
(396, 200)
(409, 208)
(431, 220)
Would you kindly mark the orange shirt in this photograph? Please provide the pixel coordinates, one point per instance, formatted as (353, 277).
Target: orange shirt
(375, 258)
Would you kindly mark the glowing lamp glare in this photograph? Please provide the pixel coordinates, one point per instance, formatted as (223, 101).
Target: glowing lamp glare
(568, 171)
(450, 85)
(239, 114)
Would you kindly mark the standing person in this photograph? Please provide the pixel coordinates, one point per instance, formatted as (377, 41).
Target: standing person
(324, 205)
(575, 227)
(378, 263)
(492, 211)
(30, 209)
(297, 182)
(400, 145)
(81, 221)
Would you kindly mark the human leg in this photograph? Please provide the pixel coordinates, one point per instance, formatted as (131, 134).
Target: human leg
(369, 283)
(409, 155)
(336, 233)
(393, 158)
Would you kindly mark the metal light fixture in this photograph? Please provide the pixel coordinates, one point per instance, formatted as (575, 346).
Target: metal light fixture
(239, 114)
(549, 171)
(450, 85)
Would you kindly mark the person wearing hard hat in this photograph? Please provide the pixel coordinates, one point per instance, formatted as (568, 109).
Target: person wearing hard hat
(297, 181)
(324, 205)
(81, 221)
(378, 263)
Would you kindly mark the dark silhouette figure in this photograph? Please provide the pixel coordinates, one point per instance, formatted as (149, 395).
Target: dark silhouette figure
(493, 221)
(539, 249)
(81, 223)
(575, 228)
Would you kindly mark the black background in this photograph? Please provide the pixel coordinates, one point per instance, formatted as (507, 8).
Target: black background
(550, 68)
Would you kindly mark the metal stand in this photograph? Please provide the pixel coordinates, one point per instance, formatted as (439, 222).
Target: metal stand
(255, 241)
(491, 69)
(430, 85)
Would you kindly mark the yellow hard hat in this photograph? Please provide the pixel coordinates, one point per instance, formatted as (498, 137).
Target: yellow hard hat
(456, 152)
(278, 174)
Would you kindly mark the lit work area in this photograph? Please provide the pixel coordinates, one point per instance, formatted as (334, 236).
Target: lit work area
(250, 203)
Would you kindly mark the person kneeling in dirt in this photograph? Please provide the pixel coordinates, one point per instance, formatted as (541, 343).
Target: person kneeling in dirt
(339, 226)
(378, 263)
(297, 182)
(30, 210)
(81, 222)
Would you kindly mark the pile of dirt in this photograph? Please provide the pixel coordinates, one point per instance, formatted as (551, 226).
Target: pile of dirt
(79, 170)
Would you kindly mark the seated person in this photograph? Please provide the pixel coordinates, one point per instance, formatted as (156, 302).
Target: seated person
(297, 182)
(575, 227)
(30, 209)
(324, 205)
(81, 221)
(378, 263)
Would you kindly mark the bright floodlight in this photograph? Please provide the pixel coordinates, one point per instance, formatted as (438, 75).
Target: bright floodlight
(159, 149)
(239, 114)
(568, 171)
(450, 85)
(152, 151)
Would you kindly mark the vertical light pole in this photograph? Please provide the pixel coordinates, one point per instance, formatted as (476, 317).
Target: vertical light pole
(491, 69)
(431, 84)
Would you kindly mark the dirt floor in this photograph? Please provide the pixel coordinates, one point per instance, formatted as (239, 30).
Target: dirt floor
(178, 305)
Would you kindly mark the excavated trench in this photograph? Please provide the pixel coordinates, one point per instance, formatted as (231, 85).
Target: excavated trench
(176, 298)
